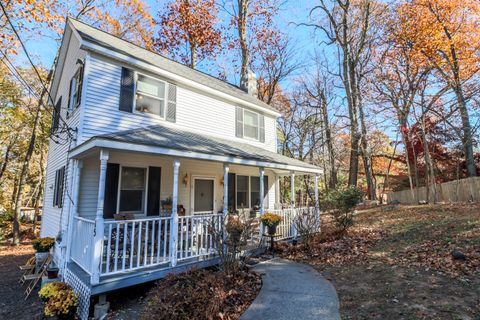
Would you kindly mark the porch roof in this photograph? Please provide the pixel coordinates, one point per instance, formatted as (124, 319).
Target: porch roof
(172, 141)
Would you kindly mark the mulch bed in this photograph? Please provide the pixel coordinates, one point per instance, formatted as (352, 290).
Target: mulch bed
(197, 294)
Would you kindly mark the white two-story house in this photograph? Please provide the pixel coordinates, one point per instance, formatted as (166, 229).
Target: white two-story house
(145, 154)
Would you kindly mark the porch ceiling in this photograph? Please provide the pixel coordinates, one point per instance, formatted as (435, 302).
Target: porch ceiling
(172, 141)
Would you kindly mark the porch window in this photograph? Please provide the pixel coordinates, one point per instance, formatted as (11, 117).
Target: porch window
(250, 124)
(255, 192)
(132, 190)
(242, 192)
(150, 96)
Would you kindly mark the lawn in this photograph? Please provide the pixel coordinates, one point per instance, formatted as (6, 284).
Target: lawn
(396, 262)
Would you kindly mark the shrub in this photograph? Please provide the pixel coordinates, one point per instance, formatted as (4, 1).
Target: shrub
(341, 203)
(306, 225)
(51, 289)
(60, 300)
(43, 244)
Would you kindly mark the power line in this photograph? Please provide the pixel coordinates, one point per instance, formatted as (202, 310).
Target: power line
(68, 129)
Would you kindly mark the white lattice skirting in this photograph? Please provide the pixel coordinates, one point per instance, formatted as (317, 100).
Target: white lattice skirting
(83, 292)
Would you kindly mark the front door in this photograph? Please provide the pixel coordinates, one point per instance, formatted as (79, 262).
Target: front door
(203, 195)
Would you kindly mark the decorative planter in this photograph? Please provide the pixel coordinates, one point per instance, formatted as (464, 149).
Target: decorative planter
(40, 258)
(167, 207)
(272, 230)
(52, 273)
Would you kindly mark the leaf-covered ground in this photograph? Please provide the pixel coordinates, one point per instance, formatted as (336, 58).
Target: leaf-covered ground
(396, 262)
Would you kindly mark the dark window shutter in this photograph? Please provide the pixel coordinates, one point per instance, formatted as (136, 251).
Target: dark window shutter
(55, 189)
(172, 103)
(79, 85)
(127, 90)
(153, 193)
(111, 190)
(261, 122)
(61, 183)
(231, 191)
(56, 115)
(69, 102)
(239, 122)
(265, 190)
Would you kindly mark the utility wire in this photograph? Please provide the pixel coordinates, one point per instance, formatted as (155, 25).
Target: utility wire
(68, 129)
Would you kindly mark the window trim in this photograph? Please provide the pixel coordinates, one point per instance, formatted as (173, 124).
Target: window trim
(73, 105)
(165, 97)
(249, 192)
(145, 196)
(258, 125)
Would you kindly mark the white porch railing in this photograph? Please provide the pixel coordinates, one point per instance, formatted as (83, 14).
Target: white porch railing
(286, 229)
(135, 244)
(82, 244)
(198, 235)
(130, 245)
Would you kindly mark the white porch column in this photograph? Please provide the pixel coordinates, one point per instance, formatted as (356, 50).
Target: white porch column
(174, 225)
(74, 209)
(317, 203)
(277, 192)
(226, 170)
(99, 222)
(262, 190)
(292, 183)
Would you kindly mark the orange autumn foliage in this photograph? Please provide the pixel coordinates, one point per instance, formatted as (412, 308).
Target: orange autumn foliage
(442, 33)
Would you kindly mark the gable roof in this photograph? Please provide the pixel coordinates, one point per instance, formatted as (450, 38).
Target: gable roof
(191, 143)
(116, 44)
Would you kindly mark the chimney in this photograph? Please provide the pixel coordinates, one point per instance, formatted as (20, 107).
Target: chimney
(250, 86)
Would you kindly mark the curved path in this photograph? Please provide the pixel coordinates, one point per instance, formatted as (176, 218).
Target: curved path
(292, 291)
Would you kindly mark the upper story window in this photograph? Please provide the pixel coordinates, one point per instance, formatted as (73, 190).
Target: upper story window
(58, 187)
(140, 93)
(150, 95)
(249, 124)
(75, 90)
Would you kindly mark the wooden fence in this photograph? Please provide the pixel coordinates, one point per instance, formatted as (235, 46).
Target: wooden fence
(453, 191)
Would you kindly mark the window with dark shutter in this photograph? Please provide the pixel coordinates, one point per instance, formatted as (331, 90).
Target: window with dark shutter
(56, 115)
(111, 190)
(172, 103)
(75, 91)
(127, 90)
(153, 191)
(239, 122)
(58, 187)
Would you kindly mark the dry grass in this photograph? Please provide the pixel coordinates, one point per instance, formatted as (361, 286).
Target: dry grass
(396, 262)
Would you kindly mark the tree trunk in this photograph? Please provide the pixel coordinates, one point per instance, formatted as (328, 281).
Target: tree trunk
(467, 133)
(332, 182)
(5, 160)
(367, 163)
(242, 37)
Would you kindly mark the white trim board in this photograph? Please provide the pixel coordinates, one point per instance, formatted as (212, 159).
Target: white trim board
(125, 146)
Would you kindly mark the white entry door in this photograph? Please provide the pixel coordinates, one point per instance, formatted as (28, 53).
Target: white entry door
(203, 195)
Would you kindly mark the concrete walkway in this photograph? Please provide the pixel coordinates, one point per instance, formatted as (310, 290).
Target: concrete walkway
(292, 291)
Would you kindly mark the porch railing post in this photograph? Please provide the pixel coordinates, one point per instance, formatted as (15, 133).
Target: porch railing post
(174, 221)
(262, 196)
(226, 170)
(294, 216)
(74, 209)
(99, 221)
(317, 204)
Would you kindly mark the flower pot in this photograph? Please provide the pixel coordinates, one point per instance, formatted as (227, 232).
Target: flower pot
(39, 258)
(272, 230)
(52, 273)
(167, 207)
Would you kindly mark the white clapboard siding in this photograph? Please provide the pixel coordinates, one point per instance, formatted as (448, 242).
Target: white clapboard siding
(89, 178)
(57, 152)
(195, 110)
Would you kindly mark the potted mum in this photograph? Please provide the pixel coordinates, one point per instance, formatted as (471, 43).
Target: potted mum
(42, 247)
(167, 203)
(60, 301)
(271, 221)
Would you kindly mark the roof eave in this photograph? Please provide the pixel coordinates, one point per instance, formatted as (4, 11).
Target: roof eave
(97, 142)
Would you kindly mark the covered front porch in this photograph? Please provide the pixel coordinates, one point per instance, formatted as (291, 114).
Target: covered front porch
(140, 212)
